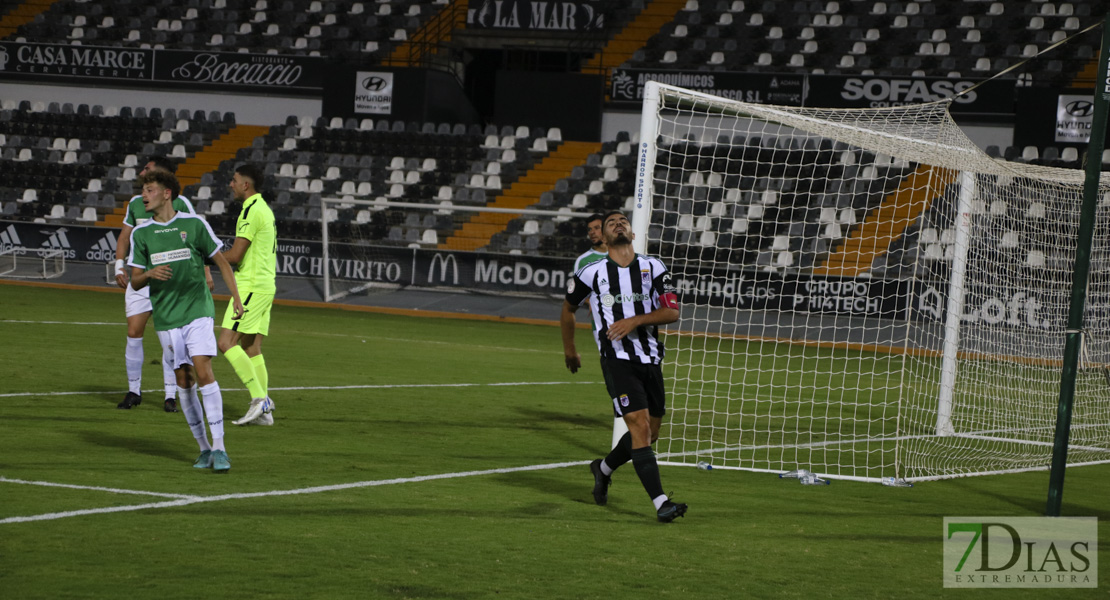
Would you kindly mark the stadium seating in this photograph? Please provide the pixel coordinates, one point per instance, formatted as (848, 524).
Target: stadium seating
(869, 37)
(759, 220)
(343, 30)
(69, 163)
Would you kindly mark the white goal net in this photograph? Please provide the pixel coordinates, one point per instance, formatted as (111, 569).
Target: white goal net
(865, 293)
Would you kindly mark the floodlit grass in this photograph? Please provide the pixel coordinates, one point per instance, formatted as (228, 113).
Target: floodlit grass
(404, 416)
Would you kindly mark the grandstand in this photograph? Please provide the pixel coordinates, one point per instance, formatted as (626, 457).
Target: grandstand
(74, 163)
(436, 157)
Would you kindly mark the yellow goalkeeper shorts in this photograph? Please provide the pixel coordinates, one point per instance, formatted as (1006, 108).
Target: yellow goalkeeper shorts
(256, 314)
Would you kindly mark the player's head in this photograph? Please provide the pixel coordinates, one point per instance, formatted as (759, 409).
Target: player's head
(158, 163)
(158, 187)
(593, 230)
(616, 228)
(246, 182)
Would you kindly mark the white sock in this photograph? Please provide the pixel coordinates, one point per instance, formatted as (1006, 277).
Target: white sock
(659, 500)
(214, 412)
(133, 360)
(169, 380)
(605, 469)
(194, 415)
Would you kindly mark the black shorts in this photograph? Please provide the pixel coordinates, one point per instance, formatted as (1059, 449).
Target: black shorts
(634, 386)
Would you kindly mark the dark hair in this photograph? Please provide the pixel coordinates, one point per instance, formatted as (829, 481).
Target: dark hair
(253, 173)
(161, 162)
(164, 179)
(606, 216)
(595, 217)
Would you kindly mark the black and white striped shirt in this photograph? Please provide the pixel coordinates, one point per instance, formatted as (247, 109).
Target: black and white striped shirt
(617, 293)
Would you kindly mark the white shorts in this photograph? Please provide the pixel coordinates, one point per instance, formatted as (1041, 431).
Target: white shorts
(180, 345)
(136, 302)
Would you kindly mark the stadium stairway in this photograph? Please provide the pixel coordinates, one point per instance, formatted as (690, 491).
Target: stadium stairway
(871, 238)
(206, 160)
(1085, 78)
(634, 36)
(21, 14)
(431, 35)
(525, 192)
(223, 148)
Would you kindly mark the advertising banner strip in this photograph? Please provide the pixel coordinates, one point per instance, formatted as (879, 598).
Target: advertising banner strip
(528, 15)
(824, 91)
(758, 88)
(923, 301)
(1019, 309)
(226, 71)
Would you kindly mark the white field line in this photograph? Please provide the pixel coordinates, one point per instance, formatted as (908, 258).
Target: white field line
(60, 322)
(375, 338)
(384, 386)
(96, 488)
(188, 500)
(317, 333)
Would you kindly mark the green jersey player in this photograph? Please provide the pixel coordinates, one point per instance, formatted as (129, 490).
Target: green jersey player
(167, 254)
(598, 250)
(137, 302)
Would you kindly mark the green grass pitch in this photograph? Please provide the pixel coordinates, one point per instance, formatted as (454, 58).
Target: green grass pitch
(386, 403)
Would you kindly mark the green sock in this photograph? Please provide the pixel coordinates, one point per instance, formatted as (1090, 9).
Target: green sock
(261, 373)
(244, 368)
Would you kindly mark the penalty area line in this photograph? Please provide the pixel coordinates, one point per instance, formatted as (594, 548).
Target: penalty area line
(16, 321)
(382, 386)
(96, 488)
(188, 500)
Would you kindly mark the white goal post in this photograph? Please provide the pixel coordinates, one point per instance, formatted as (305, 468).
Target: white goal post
(865, 293)
(46, 263)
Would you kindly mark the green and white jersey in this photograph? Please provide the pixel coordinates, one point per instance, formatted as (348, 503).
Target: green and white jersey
(183, 243)
(588, 257)
(258, 269)
(137, 213)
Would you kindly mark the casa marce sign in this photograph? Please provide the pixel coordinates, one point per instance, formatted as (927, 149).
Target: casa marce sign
(218, 71)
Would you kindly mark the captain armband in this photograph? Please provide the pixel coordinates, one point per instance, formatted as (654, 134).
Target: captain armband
(668, 300)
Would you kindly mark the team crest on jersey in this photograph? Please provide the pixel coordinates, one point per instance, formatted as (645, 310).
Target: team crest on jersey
(183, 236)
(645, 276)
(623, 399)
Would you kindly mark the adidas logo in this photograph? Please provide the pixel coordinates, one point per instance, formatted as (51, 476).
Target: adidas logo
(104, 250)
(57, 241)
(10, 242)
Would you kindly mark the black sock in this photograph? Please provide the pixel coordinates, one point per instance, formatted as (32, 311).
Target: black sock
(621, 453)
(643, 459)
